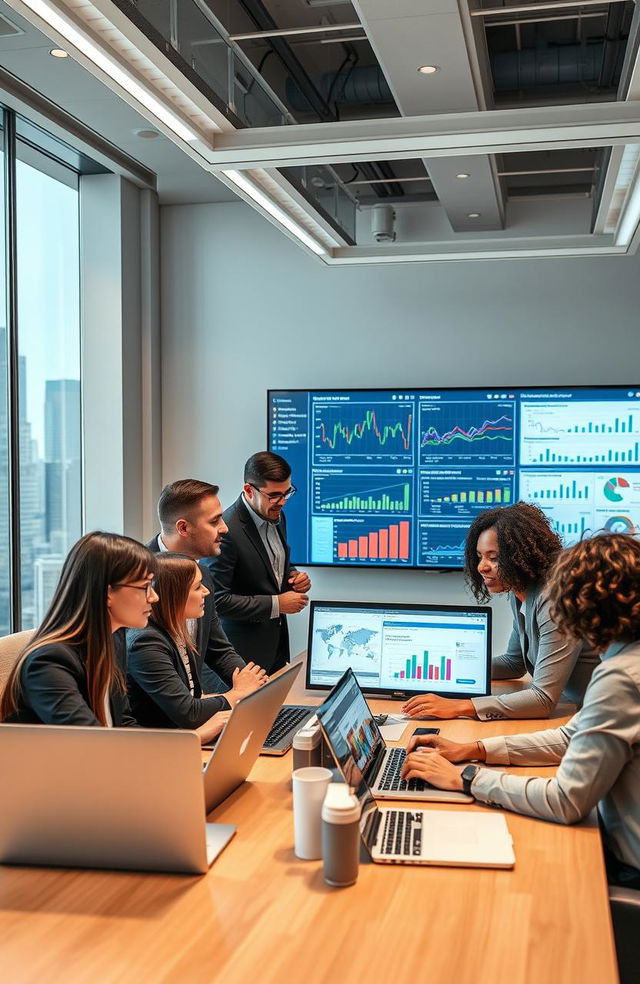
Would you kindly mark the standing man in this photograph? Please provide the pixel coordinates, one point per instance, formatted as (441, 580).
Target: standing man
(191, 523)
(256, 588)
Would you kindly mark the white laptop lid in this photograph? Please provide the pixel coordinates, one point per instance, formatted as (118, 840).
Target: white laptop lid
(102, 798)
(243, 737)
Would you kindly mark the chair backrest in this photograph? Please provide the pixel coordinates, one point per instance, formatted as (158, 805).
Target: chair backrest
(625, 914)
(10, 648)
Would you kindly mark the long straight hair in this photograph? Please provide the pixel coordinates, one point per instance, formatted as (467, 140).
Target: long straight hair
(174, 574)
(78, 614)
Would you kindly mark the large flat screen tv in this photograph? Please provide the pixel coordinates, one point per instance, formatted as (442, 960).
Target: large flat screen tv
(392, 478)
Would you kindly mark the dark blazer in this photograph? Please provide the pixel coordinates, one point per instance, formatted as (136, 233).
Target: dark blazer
(53, 683)
(158, 683)
(213, 645)
(245, 584)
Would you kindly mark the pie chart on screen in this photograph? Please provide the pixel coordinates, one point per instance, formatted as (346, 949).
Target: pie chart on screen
(612, 489)
(619, 524)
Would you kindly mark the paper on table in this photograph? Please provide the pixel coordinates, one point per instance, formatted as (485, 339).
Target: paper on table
(393, 728)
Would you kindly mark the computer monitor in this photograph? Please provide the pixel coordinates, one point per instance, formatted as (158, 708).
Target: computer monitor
(396, 650)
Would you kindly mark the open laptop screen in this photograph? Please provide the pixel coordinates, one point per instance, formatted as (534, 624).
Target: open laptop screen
(398, 650)
(351, 732)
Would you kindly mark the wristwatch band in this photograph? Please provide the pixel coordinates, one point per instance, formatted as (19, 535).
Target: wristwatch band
(468, 775)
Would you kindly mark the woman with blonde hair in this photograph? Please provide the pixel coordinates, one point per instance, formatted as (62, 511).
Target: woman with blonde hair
(594, 593)
(164, 665)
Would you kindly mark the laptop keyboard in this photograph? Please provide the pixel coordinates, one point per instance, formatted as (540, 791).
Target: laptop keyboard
(390, 779)
(287, 722)
(402, 833)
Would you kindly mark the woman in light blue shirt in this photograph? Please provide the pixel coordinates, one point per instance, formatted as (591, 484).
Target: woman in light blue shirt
(512, 549)
(594, 593)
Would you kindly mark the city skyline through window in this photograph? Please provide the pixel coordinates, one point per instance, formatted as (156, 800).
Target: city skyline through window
(49, 422)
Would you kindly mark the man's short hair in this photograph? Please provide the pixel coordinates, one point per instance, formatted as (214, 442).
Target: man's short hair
(179, 499)
(265, 466)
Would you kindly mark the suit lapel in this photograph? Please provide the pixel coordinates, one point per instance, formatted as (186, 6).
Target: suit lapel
(254, 537)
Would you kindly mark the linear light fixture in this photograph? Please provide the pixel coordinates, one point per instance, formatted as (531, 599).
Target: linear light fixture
(111, 67)
(263, 200)
(630, 217)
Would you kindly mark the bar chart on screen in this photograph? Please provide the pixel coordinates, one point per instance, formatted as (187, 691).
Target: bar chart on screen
(440, 653)
(370, 541)
(454, 492)
(580, 433)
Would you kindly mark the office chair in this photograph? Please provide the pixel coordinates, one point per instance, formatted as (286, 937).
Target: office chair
(625, 915)
(10, 647)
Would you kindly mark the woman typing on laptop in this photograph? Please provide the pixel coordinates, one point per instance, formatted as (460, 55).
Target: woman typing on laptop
(511, 549)
(72, 672)
(593, 593)
(163, 664)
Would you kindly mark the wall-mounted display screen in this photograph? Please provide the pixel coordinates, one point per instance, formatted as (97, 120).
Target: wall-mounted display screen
(393, 478)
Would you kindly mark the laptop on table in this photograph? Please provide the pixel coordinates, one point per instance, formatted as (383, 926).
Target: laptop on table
(361, 752)
(405, 835)
(243, 736)
(127, 798)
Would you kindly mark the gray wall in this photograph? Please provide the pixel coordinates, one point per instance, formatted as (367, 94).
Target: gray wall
(244, 310)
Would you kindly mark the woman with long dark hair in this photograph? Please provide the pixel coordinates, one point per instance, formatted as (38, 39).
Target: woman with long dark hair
(594, 595)
(512, 549)
(164, 665)
(72, 670)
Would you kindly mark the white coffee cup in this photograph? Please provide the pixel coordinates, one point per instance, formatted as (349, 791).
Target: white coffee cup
(309, 788)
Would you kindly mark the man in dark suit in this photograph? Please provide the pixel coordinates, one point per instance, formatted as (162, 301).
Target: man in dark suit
(191, 523)
(256, 588)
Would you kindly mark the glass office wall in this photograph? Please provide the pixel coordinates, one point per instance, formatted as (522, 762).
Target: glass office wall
(40, 427)
(49, 381)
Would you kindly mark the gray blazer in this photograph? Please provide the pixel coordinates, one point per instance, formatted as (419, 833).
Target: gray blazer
(599, 755)
(558, 666)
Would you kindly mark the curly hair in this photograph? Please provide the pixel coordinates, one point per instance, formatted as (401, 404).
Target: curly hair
(594, 590)
(527, 547)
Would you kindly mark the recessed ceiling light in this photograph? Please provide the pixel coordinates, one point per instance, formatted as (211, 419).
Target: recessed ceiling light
(428, 69)
(473, 215)
(59, 53)
(146, 133)
(462, 175)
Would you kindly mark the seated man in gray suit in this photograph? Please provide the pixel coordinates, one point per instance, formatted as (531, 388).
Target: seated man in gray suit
(191, 523)
(256, 588)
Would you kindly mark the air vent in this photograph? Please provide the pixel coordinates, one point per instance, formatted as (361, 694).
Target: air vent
(7, 29)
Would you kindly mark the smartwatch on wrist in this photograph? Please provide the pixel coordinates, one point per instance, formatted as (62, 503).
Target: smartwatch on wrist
(467, 775)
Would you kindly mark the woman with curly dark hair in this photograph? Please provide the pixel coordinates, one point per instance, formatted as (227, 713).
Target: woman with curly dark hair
(511, 549)
(594, 593)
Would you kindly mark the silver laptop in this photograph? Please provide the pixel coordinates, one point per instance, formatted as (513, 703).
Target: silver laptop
(457, 838)
(361, 753)
(105, 798)
(243, 736)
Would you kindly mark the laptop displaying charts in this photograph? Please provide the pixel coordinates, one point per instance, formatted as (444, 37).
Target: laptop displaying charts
(398, 650)
(243, 736)
(105, 798)
(361, 753)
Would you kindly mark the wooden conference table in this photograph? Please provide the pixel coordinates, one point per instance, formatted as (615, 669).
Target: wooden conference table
(261, 915)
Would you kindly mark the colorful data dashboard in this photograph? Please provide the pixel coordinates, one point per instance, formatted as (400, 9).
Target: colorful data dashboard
(390, 478)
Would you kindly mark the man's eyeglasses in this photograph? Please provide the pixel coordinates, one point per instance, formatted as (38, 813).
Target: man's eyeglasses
(276, 496)
(147, 588)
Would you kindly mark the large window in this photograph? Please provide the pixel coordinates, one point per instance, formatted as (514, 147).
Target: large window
(40, 440)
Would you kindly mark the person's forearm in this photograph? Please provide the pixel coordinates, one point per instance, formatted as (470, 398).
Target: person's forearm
(530, 703)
